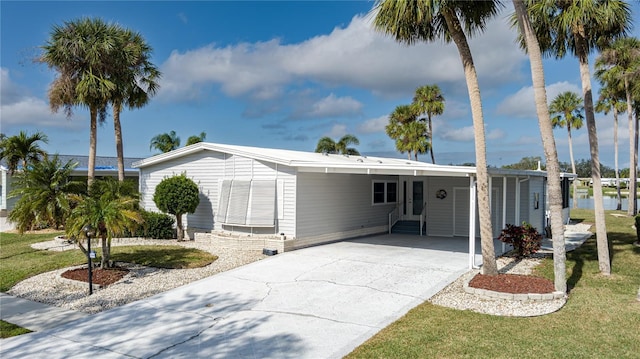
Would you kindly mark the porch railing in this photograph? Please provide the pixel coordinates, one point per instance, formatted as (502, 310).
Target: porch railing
(394, 216)
(423, 216)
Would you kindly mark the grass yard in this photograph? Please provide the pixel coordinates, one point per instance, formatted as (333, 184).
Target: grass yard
(11, 330)
(600, 320)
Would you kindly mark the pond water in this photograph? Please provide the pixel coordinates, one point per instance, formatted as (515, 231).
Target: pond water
(607, 201)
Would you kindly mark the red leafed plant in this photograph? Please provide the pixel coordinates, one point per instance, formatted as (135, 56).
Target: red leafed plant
(525, 239)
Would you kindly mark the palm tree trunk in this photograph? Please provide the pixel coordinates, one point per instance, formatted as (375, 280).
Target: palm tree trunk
(489, 266)
(615, 156)
(433, 160)
(93, 143)
(604, 261)
(633, 155)
(554, 190)
(118, 132)
(573, 166)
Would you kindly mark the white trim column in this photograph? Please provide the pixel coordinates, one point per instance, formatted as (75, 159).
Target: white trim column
(472, 222)
(504, 209)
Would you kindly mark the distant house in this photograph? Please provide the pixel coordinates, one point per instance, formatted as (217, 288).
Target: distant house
(293, 199)
(104, 167)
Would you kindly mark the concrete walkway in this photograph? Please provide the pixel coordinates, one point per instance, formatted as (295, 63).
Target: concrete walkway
(35, 316)
(319, 302)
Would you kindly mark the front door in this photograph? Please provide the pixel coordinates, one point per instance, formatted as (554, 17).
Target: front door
(412, 192)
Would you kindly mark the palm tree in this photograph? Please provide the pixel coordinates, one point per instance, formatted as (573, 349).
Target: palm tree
(196, 139)
(165, 142)
(568, 109)
(44, 191)
(413, 138)
(610, 100)
(429, 101)
(554, 191)
(22, 150)
(135, 78)
(579, 27)
(80, 52)
(398, 129)
(429, 20)
(109, 209)
(622, 59)
(328, 145)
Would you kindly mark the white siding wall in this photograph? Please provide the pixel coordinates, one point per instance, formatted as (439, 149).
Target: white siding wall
(440, 212)
(207, 168)
(337, 206)
(536, 216)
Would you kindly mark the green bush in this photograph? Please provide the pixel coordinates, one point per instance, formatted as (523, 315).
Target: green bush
(525, 239)
(177, 195)
(156, 225)
(637, 221)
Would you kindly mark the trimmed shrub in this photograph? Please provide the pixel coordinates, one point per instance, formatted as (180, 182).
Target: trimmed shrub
(156, 225)
(525, 239)
(177, 195)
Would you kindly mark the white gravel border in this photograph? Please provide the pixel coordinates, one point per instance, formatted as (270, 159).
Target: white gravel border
(141, 282)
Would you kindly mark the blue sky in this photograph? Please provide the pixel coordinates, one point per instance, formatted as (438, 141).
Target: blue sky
(284, 74)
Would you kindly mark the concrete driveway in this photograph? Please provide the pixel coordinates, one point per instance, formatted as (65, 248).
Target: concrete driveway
(319, 302)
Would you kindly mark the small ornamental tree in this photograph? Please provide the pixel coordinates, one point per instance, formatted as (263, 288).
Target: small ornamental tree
(177, 195)
(525, 239)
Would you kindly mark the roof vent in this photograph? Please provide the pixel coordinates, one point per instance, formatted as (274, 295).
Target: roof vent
(360, 160)
(379, 161)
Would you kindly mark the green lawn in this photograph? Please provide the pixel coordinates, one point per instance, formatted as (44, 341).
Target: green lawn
(11, 330)
(600, 320)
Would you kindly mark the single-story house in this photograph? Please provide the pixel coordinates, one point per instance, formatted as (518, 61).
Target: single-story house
(104, 167)
(300, 199)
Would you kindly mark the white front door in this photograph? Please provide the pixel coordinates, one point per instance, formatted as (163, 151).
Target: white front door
(412, 198)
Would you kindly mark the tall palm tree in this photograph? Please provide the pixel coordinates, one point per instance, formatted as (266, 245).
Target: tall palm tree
(429, 101)
(109, 209)
(611, 100)
(44, 191)
(80, 52)
(22, 149)
(554, 191)
(398, 128)
(622, 59)
(579, 27)
(430, 20)
(196, 139)
(135, 78)
(413, 138)
(567, 108)
(328, 145)
(165, 142)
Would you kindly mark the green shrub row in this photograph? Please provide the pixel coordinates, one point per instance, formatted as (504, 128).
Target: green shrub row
(156, 225)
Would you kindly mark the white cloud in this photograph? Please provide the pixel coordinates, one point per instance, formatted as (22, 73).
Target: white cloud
(374, 125)
(522, 103)
(355, 56)
(337, 131)
(466, 134)
(20, 109)
(332, 106)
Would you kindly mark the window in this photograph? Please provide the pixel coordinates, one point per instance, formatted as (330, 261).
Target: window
(385, 192)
